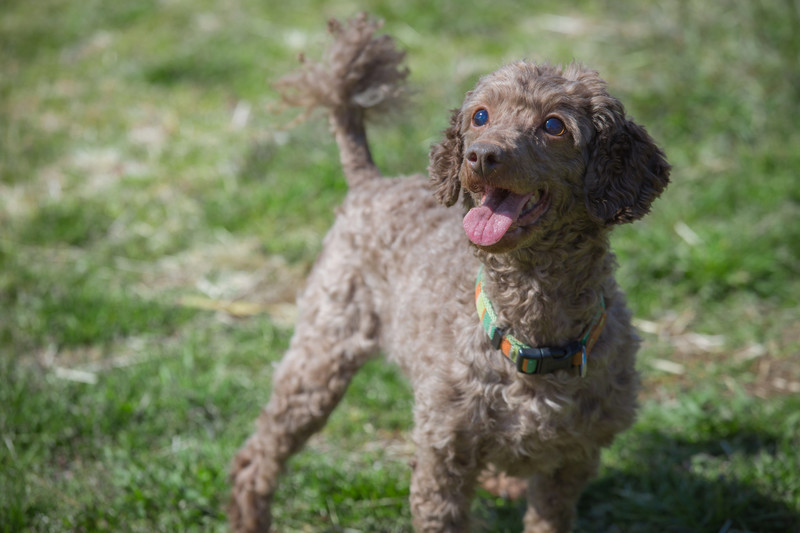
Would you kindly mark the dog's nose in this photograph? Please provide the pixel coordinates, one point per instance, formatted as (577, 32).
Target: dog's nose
(484, 158)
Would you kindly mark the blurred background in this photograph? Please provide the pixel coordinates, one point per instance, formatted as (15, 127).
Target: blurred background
(159, 212)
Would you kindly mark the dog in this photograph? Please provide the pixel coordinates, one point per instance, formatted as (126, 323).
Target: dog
(504, 314)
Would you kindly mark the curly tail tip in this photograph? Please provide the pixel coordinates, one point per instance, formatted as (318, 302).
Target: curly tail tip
(360, 74)
(359, 69)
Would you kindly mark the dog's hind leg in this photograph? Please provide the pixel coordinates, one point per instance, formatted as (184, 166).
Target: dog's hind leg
(336, 334)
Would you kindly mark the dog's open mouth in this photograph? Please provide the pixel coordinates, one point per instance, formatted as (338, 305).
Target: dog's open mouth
(501, 211)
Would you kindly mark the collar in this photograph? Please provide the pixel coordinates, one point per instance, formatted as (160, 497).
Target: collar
(545, 359)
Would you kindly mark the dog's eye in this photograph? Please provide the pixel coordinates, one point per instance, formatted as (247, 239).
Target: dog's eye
(480, 118)
(554, 126)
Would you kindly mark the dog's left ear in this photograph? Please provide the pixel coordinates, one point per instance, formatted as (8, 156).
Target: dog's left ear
(626, 171)
(445, 162)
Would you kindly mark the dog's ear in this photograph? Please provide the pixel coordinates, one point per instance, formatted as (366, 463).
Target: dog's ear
(626, 171)
(445, 162)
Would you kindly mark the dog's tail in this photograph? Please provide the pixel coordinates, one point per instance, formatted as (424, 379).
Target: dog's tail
(360, 74)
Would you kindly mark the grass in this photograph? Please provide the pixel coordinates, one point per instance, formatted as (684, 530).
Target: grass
(157, 218)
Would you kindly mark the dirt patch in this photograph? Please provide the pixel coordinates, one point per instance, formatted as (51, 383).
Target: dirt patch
(686, 358)
(233, 277)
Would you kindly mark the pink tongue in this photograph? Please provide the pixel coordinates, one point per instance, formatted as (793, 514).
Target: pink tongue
(486, 224)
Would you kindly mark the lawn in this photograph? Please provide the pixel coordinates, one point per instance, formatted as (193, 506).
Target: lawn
(158, 215)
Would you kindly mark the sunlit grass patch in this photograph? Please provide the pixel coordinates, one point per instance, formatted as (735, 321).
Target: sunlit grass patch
(158, 215)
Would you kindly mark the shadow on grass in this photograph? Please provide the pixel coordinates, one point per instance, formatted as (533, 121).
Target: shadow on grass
(677, 486)
(682, 486)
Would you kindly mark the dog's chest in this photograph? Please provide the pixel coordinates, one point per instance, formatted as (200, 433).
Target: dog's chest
(529, 429)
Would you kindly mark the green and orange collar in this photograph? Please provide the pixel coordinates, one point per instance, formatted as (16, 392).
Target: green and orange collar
(542, 360)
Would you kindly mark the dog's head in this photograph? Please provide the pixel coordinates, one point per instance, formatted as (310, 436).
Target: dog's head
(532, 143)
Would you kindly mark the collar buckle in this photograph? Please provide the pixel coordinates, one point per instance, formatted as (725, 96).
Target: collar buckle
(546, 359)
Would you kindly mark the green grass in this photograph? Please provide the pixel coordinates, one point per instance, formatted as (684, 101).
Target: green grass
(136, 214)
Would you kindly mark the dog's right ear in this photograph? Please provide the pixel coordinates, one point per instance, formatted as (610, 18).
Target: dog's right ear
(445, 162)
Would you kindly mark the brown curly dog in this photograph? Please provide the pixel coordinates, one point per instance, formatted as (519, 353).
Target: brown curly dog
(504, 315)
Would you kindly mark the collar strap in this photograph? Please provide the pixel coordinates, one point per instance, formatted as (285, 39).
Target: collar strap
(543, 360)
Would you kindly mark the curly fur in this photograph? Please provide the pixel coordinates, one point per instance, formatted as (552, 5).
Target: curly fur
(396, 274)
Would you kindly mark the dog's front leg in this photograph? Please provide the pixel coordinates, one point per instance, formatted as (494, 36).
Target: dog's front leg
(552, 497)
(445, 469)
(440, 493)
